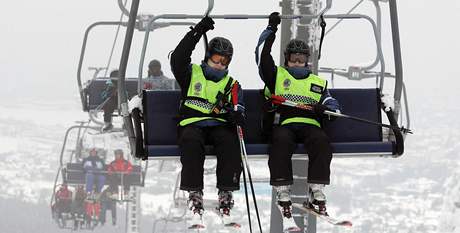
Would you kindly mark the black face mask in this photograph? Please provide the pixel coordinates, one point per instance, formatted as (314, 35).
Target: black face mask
(298, 72)
(212, 73)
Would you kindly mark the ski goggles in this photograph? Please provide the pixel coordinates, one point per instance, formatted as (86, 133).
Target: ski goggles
(298, 58)
(219, 59)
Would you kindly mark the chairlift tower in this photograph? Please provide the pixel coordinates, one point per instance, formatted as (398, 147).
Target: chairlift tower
(133, 207)
(305, 29)
(133, 211)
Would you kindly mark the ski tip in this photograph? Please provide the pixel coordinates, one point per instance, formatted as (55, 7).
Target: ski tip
(292, 229)
(346, 224)
(234, 225)
(196, 226)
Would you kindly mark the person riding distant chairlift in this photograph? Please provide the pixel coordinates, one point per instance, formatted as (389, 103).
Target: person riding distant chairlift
(207, 117)
(94, 168)
(63, 200)
(117, 171)
(78, 204)
(108, 203)
(156, 80)
(93, 210)
(294, 81)
(111, 97)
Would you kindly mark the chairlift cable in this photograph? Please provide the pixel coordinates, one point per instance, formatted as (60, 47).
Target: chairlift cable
(340, 20)
(114, 42)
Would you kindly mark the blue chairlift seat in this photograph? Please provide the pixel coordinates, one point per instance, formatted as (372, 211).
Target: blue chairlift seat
(95, 87)
(348, 137)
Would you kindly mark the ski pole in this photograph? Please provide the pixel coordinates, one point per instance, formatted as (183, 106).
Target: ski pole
(283, 101)
(246, 193)
(402, 129)
(244, 153)
(248, 208)
(100, 106)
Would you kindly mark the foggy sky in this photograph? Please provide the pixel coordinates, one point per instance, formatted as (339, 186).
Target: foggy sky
(41, 41)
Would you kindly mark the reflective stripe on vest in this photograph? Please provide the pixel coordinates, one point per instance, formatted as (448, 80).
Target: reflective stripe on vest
(203, 93)
(303, 91)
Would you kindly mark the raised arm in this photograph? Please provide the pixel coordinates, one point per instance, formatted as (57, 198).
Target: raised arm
(181, 57)
(267, 67)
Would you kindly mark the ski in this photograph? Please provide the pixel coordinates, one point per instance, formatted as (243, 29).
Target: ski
(196, 222)
(289, 224)
(226, 220)
(326, 218)
(197, 226)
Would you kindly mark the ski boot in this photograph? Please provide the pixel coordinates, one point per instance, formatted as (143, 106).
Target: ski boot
(226, 202)
(317, 199)
(107, 126)
(195, 204)
(90, 196)
(283, 199)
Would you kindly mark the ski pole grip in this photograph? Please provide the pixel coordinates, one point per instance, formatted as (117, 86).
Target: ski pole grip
(277, 99)
(331, 113)
(235, 95)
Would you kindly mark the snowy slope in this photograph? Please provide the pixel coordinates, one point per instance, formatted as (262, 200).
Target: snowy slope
(407, 194)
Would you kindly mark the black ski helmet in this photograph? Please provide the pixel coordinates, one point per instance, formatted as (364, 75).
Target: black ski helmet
(296, 46)
(221, 46)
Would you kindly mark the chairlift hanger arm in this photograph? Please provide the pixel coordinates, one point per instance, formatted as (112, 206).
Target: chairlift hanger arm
(82, 54)
(397, 54)
(377, 36)
(122, 95)
(123, 7)
(125, 11)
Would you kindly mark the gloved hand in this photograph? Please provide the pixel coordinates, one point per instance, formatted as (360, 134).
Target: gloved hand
(274, 20)
(237, 117)
(109, 83)
(204, 25)
(319, 111)
(148, 86)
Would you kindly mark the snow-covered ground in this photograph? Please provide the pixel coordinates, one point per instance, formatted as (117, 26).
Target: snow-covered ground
(414, 193)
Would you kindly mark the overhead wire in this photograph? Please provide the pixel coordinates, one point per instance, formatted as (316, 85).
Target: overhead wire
(351, 10)
(114, 41)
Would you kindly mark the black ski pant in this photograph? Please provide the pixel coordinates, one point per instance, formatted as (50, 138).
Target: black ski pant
(284, 142)
(192, 141)
(108, 205)
(109, 107)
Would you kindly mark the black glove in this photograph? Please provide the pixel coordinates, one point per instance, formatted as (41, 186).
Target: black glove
(204, 25)
(274, 20)
(319, 111)
(238, 118)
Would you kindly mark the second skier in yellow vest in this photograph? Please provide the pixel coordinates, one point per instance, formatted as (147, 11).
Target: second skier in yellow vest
(295, 82)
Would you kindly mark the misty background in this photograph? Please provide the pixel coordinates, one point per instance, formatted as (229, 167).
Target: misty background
(40, 46)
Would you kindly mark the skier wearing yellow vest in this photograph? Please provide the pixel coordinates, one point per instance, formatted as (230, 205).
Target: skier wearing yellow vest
(207, 116)
(295, 82)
